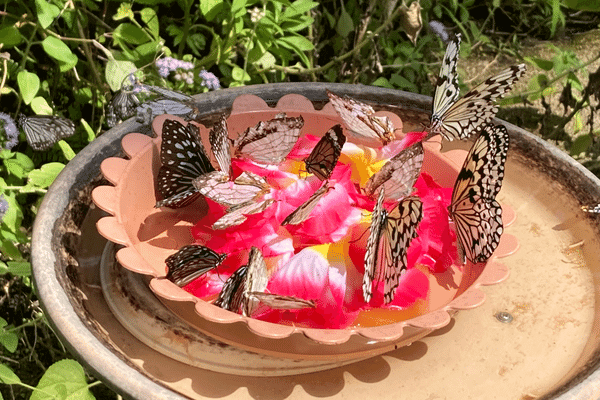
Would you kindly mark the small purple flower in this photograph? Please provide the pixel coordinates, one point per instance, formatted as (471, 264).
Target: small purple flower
(439, 29)
(10, 130)
(209, 80)
(168, 64)
(3, 206)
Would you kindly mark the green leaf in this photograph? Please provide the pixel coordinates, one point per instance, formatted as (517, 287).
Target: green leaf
(383, 82)
(296, 43)
(151, 20)
(266, 61)
(7, 376)
(10, 37)
(63, 379)
(147, 50)
(88, 129)
(130, 33)
(239, 74)
(8, 248)
(29, 85)
(117, 71)
(211, 8)
(124, 11)
(46, 12)
(43, 177)
(345, 25)
(580, 145)
(40, 106)
(541, 63)
(19, 166)
(9, 340)
(299, 7)
(582, 5)
(57, 49)
(238, 5)
(66, 149)
(19, 268)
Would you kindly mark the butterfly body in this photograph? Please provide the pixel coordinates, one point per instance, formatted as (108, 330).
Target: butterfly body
(122, 106)
(387, 245)
(325, 154)
(43, 131)
(474, 210)
(302, 213)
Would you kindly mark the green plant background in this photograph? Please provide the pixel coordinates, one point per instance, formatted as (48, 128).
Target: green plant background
(67, 58)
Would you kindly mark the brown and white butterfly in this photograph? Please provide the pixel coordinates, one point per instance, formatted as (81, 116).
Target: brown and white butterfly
(360, 119)
(474, 209)
(217, 187)
(398, 175)
(245, 289)
(236, 215)
(219, 144)
(191, 262)
(324, 156)
(389, 239)
(269, 142)
(302, 213)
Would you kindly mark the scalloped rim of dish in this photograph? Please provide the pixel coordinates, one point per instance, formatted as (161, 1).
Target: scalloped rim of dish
(112, 228)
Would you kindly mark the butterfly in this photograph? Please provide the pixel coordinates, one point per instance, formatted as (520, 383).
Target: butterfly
(269, 142)
(43, 131)
(390, 236)
(302, 213)
(360, 119)
(325, 154)
(219, 144)
(474, 210)
(217, 187)
(121, 106)
(399, 174)
(149, 110)
(167, 93)
(236, 215)
(183, 159)
(245, 289)
(190, 262)
(446, 89)
(467, 116)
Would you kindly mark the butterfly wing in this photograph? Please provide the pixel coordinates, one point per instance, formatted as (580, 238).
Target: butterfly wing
(149, 110)
(231, 295)
(474, 210)
(190, 262)
(446, 89)
(236, 215)
(302, 213)
(217, 187)
(183, 159)
(121, 106)
(168, 93)
(277, 301)
(43, 131)
(400, 230)
(269, 142)
(399, 174)
(378, 221)
(256, 280)
(325, 154)
(219, 144)
(361, 120)
(478, 107)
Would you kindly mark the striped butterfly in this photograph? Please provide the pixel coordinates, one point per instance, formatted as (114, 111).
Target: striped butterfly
(219, 144)
(446, 89)
(474, 210)
(399, 174)
(390, 236)
(190, 262)
(149, 110)
(167, 93)
(475, 109)
(122, 106)
(269, 142)
(43, 131)
(302, 213)
(217, 187)
(183, 159)
(360, 119)
(325, 154)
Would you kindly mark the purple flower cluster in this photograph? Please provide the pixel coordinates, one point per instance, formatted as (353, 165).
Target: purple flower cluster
(11, 131)
(3, 206)
(168, 64)
(209, 80)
